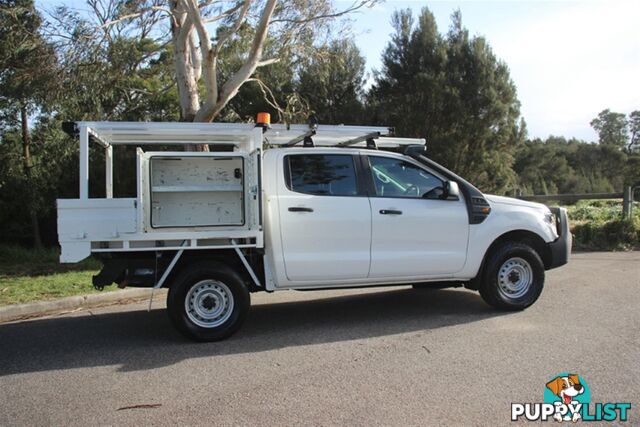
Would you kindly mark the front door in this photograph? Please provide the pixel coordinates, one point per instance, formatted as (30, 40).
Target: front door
(415, 233)
(325, 219)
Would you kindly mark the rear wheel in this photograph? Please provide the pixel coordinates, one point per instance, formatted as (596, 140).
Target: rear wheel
(208, 302)
(513, 277)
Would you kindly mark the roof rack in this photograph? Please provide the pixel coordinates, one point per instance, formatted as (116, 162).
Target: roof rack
(336, 136)
(181, 133)
(246, 137)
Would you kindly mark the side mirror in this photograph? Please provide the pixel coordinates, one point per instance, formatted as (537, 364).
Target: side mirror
(451, 190)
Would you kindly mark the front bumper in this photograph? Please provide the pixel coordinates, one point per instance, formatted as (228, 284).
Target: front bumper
(560, 249)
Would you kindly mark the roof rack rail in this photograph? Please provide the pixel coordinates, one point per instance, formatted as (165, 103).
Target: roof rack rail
(299, 138)
(367, 137)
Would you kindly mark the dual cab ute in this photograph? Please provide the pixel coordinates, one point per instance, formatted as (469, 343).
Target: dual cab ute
(297, 207)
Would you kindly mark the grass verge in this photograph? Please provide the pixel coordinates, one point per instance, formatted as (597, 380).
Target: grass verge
(28, 275)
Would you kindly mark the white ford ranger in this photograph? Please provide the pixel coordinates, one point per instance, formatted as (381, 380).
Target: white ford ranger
(297, 207)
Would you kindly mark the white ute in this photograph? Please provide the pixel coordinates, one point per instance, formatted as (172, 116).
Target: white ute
(297, 207)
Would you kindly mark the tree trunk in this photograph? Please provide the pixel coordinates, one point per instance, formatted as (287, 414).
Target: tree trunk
(186, 72)
(192, 61)
(27, 165)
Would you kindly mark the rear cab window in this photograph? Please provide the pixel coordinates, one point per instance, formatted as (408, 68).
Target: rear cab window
(321, 174)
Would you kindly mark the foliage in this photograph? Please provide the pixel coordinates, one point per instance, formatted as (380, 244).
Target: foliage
(269, 89)
(27, 61)
(612, 128)
(598, 225)
(634, 130)
(112, 74)
(560, 166)
(332, 82)
(452, 90)
(27, 81)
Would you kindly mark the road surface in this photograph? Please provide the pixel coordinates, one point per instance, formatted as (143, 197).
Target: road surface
(385, 356)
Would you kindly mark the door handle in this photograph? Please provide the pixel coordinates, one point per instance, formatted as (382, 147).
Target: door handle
(300, 209)
(390, 212)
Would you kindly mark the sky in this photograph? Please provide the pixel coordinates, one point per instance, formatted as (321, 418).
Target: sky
(569, 59)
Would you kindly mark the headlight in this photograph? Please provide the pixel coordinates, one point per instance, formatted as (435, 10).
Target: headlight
(550, 219)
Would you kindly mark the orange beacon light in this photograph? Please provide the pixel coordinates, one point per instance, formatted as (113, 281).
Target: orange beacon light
(263, 119)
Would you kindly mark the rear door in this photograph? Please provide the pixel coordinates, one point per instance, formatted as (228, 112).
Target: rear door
(325, 218)
(414, 232)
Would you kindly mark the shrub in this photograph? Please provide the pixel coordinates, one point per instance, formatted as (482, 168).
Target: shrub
(598, 225)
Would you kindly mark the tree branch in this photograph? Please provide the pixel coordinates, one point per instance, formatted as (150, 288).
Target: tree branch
(350, 9)
(207, 112)
(136, 15)
(267, 62)
(223, 14)
(206, 52)
(185, 24)
(236, 26)
(268, 93)
(196, 58)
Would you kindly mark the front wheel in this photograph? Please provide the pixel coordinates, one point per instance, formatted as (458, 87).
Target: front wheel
(208, 302)
(513, 277)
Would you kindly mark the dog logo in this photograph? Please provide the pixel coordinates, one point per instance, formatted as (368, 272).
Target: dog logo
(566, 388)
(567, 397)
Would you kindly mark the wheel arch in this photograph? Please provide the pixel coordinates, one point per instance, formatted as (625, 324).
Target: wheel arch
(535, 241)
(228, 258)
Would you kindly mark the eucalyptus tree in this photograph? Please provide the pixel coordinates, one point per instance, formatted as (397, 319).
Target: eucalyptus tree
(198, 31)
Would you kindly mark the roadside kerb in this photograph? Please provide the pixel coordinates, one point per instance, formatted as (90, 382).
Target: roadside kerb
(64, 305)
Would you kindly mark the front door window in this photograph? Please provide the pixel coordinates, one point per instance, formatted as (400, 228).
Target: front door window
(397, 178)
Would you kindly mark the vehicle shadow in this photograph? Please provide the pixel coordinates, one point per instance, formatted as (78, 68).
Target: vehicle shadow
(140, 340)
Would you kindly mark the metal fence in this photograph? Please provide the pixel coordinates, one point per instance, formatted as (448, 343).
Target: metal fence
(627, 197)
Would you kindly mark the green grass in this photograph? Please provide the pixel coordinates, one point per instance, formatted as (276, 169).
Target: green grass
(598, 225)
(28, 275)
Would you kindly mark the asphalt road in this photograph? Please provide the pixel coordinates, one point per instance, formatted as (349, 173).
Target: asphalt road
(389, 356)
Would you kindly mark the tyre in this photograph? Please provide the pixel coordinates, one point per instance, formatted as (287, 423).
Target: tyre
(513, 277)
(208, 302)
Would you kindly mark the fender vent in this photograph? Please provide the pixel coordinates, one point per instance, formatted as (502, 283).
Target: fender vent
(480, 209)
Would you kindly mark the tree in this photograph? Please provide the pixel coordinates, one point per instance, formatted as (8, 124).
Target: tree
(634, 129)
(612, 128)
(122, 71)
(332, 82)
(453, 91)
(557, 165)
(197, 53)
(271, 89)
(543, 167)
(28, 65)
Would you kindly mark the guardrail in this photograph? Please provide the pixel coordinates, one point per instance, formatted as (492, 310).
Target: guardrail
(627, 197)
